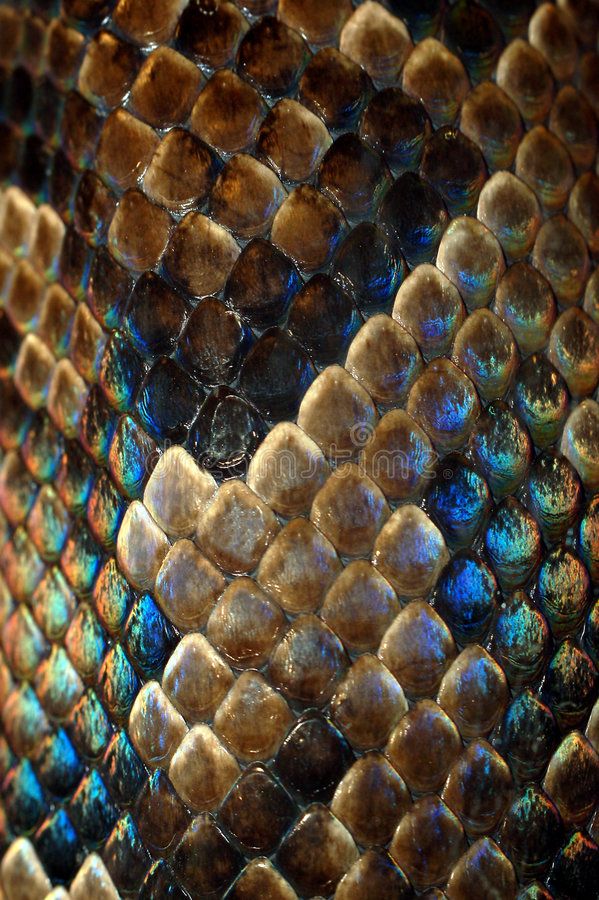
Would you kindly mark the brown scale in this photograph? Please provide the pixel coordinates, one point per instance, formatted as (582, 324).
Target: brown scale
(350, 511)
(370, 799)
(125, 149)
(293, 139)
(245, 624)
(107, 71)
(510, 210)
(136, 218)
(245, 196)
(334, 87)
(272, 56)
(308, 227)
(227, 113)
(572, 121)
(200, 255)
(298, 567)
(320, 23)
(271, 647)
(95, 206)
(353, 175)
(582, 209)
(152, 94)
(64, 51)
(308, 662)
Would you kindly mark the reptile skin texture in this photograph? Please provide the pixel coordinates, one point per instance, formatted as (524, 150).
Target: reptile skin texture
(299, 450)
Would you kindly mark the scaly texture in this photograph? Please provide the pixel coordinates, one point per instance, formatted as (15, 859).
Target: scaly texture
(299, 449)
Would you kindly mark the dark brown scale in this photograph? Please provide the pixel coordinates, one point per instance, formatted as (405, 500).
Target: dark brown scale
(214, 342)
(354, 176)
(335, 88)
(211, 31)
(262, 283)
(258, 811)
(272, 56)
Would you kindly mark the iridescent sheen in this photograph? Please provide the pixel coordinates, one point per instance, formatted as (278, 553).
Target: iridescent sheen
(397, 126)
(541, 399)
(576, 864)
(92, 810)
(17, 489)
(502, 448)
(510, 209)
(58, 764)
(125, 855)
(572, 778)
(555, 495)
(369, 267)
(527, 736)
(24, 797)
(478, 787)
(21, 564)
(23, 643)
(459, 500)
(53, 604)
(118, 683)
(444, 402)
(466, 596)
(574, 351)
(120, 372)
(416, 215)
(98, 423)
(526, 304)
(563, 591)
(513, 542)
(74, 478)
(122, 770)
(105, 511)
(579, 442)
(256, 483)
(570, 685)
(24, 720)
(588, 538)
(168, 401)
(112, 597)
(89, 726)
(132, 454)
(42, 448)
(58, 845)
(520, 640)
(429, 306)
(81, 559)
(147, 636)
(470, 255)
(58, 684)
(86, 643)
(531, 831)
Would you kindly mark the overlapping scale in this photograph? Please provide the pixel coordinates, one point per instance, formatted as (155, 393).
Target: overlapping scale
(298, 449)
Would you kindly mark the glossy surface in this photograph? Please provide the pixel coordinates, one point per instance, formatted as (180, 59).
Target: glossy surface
(298, 364)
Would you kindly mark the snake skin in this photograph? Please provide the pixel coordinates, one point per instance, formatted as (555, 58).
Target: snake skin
(299, 450)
